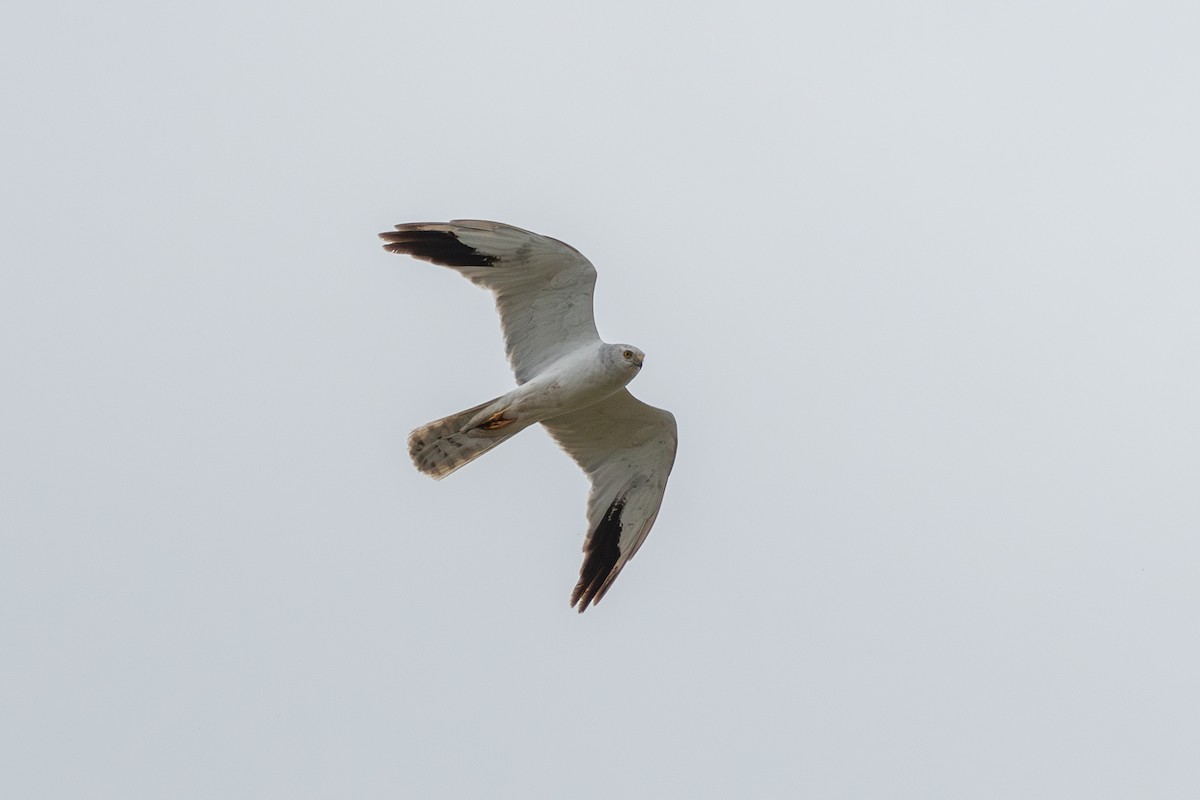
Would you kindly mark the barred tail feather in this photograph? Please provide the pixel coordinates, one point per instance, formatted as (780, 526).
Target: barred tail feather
(442, 446)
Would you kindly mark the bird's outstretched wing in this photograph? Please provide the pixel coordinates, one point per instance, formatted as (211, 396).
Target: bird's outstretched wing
(627, 449)
(543, 287)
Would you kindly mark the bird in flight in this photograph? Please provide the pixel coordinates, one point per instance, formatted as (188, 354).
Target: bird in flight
(567, 379)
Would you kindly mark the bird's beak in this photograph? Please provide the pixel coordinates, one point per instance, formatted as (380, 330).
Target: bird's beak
(639, 361)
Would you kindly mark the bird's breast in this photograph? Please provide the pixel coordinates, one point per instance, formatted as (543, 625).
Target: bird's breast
(571, 383)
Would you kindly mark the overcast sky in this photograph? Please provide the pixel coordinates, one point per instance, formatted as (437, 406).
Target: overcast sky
(919, 281)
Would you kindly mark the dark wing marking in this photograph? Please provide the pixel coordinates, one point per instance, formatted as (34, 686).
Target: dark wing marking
(439, 247)
(601, 553)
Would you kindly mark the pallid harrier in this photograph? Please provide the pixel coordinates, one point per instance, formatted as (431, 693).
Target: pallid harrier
(567, 379)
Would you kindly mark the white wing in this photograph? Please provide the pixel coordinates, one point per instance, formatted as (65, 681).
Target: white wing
(627, 449)
(543, 287)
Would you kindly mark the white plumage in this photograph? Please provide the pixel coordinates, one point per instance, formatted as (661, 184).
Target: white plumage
(568, 380)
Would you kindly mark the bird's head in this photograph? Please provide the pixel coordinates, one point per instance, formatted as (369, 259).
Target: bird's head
(629, 355)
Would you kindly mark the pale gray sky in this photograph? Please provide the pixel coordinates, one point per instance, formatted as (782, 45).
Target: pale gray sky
(919, 281)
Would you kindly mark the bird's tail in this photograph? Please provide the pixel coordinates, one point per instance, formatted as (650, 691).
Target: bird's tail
(439, 448)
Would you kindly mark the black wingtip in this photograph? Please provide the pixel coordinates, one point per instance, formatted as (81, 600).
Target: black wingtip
(600, 558)
(440, 247)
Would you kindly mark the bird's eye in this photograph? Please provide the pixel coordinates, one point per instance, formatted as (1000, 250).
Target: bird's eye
(629, 354)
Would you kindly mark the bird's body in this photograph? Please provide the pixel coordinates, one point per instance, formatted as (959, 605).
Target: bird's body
(577, 380)
(574, 381)
(568, 380)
